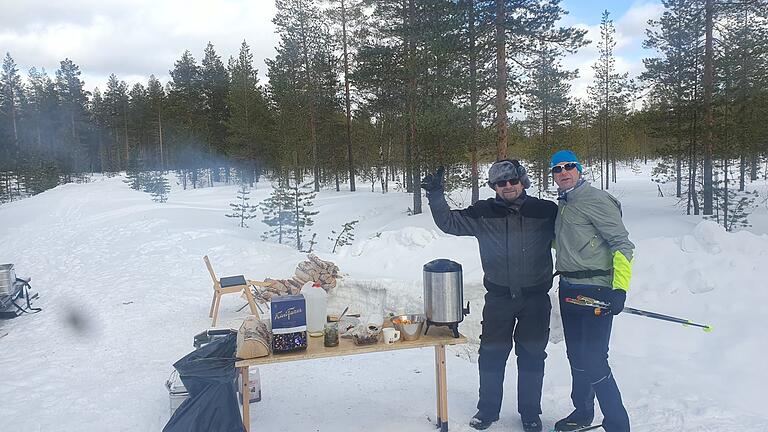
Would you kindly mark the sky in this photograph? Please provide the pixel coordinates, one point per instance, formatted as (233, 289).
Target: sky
(136, 38)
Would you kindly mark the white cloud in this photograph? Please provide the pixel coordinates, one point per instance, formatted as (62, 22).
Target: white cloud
(132, 39)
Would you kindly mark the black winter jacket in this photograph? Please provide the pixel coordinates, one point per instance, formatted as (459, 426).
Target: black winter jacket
(515, 239)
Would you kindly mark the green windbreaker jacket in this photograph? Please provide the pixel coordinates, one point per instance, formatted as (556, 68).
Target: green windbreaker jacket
(588, 233)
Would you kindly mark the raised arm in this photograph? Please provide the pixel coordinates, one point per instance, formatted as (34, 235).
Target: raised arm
(456, 222)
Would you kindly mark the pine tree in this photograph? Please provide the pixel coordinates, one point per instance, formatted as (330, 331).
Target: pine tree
(156, 100)
(277, 213)
(301, 197)
(675, 85)
(610, 93)
(288, 212)
(139, 124)
(344, 237)
(11, 96)
(347, 16)
(731, 207)
(133, 173)
(547, 103)
(157, 185)
(116, 108)
(186, 105)
(215, 87)
(73, 115)
(250, 125)
(241, 209)
(298, 24)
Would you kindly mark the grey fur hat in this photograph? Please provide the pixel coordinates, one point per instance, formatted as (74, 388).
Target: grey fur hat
(507, 170)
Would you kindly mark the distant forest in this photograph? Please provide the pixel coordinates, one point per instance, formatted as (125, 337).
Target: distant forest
(383, 91)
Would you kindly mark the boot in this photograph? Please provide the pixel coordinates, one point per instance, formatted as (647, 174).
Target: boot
(531, 423)
(482, 421)
(575, 420)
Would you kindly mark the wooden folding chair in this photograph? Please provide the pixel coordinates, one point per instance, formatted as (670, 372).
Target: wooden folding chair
(226, 285)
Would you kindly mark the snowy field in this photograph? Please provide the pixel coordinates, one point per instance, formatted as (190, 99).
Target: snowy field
(123, 289)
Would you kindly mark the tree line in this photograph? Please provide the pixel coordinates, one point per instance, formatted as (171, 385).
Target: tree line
(385, 90)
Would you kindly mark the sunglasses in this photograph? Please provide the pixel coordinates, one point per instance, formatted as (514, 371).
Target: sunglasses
(559, 168)
(502, 183)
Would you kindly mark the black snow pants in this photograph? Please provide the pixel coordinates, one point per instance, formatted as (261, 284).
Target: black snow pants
(522, 321)
(586, 340)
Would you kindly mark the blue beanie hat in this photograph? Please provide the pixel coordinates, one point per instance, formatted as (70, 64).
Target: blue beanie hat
(565, 156)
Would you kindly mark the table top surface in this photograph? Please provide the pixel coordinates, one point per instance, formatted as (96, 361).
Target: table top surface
(316, 349)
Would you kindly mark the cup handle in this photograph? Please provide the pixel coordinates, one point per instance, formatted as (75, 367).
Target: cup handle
(397, 336)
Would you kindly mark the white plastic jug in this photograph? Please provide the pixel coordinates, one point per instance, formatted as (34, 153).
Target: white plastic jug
(317, 307)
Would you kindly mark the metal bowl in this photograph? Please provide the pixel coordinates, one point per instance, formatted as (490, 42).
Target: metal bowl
(410, 326)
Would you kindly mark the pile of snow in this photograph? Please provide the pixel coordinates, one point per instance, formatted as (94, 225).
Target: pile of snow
(123, 289)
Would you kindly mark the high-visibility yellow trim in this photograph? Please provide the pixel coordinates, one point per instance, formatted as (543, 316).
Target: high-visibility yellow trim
(622, 271)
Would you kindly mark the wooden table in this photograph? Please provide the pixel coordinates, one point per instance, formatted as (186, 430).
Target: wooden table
(438, 337)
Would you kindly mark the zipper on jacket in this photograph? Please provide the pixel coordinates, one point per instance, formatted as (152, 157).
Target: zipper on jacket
(589, 242)
(506, 242)
(522, 246)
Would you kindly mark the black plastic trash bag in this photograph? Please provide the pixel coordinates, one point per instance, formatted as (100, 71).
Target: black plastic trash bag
(209, 375)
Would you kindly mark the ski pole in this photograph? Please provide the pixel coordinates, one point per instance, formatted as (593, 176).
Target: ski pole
(587, 428)
(601, 306)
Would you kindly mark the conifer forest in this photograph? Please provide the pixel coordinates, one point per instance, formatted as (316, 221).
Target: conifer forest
(380, 92)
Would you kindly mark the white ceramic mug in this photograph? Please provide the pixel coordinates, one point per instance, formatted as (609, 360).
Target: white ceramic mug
(390, 335)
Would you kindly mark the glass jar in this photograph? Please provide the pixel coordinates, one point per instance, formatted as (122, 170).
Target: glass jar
(331, 334)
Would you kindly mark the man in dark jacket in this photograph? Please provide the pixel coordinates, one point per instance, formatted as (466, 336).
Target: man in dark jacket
(515, 233)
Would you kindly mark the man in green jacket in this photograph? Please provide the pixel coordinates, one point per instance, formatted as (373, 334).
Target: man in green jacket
(594, 257)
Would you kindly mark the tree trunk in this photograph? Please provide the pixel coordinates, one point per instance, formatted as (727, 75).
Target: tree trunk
(725, 196)
(501, 82)
(709, 119)
(694, 164)
(346, 97)
(742, 172)
(13, 115)
(753, 167)
(160, 135)
(415, 157)
(473, 98)
(125, 131)
(310, 102)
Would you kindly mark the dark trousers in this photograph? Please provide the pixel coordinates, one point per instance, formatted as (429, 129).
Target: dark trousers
(523, 320)
(586, 340)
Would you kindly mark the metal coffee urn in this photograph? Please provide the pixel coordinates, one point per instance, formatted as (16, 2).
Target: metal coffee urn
(444, 295)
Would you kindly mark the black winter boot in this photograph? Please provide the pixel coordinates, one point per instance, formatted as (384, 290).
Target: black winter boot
(531, 423)
(482, 421)
(575, 420)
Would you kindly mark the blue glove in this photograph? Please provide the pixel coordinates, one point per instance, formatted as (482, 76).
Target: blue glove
(617, 298)
(433, 182)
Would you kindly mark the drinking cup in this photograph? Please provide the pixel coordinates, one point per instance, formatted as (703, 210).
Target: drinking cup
(390, 335)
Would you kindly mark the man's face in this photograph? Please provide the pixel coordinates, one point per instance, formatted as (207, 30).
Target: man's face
(566, 178)
(509, 192)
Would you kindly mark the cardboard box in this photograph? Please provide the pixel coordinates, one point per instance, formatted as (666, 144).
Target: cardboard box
(289, 323)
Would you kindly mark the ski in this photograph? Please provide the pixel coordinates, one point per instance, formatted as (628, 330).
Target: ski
(588, 428)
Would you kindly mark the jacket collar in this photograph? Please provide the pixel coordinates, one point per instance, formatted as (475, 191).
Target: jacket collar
(563, 194)
(513, 206)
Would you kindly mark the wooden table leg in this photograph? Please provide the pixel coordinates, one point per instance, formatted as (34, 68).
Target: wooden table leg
(246, 391)
(442, 389)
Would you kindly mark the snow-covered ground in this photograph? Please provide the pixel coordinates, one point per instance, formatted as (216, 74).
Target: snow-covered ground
(123, 289)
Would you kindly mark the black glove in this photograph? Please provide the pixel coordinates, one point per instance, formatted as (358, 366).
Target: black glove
(617, 297)
(433, 182)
